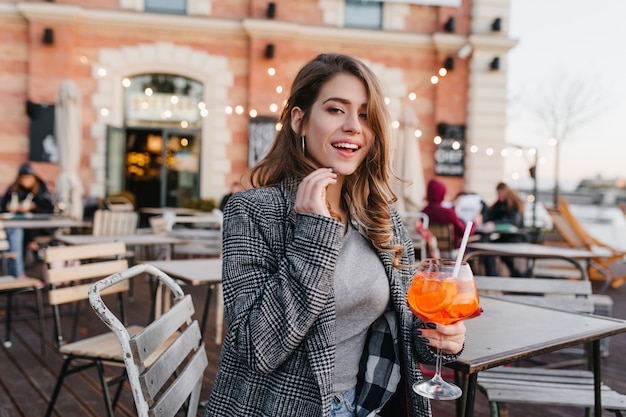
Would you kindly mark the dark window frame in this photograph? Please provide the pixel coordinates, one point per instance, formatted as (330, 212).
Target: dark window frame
(161, 6)
(368, 9)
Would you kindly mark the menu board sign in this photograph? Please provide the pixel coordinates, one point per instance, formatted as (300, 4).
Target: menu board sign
(450, 153)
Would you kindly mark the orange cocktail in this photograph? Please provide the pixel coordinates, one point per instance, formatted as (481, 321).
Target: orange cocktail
(442, 300)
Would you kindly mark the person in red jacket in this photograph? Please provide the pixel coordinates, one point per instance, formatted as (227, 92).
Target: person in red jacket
(438, 214)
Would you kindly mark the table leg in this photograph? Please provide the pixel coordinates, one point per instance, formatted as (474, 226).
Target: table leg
(597, 377)
(470, 396)
(460, 379)
(205, 311)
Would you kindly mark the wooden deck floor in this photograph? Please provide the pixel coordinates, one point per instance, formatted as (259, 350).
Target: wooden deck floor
(27, 378)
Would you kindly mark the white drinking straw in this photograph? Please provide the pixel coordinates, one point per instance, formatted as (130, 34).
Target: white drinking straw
(459, 258)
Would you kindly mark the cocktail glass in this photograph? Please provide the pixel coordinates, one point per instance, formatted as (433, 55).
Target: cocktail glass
(436, 295)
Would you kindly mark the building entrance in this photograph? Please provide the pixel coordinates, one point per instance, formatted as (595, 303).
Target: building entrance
(162, 167)
(159, 167)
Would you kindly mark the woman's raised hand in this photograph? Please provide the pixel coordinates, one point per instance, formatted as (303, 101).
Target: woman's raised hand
(311, 196)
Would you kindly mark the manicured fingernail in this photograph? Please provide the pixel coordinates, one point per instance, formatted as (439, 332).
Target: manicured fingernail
(425, 340)
(431, 325)
(419, 332)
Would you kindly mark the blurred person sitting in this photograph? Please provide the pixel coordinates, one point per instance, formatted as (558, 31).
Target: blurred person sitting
(506, 211)
(439, 214)
(27, 194)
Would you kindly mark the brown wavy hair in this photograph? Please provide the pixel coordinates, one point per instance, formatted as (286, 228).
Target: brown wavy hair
(512, 199)
(367, 191)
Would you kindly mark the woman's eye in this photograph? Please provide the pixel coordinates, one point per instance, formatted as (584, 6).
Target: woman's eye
(335, 110)
(363, 116)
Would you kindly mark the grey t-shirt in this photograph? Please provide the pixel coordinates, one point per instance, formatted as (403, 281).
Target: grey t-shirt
(361, 296)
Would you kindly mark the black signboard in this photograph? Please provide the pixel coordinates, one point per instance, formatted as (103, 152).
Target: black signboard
(450, 153)
(43, 146)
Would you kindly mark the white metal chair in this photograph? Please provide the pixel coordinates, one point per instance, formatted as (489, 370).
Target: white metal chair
(166, 360)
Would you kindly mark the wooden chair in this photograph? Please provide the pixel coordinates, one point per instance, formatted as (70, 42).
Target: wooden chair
(609, 265)
(118, 203)
(445, 238)
(202, 235)
(11, 286)
(203, 240)
(166, 360)
(546, 384)
(71, 271)
(115, 223)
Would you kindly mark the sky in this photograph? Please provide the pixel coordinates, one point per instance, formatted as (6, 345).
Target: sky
(580, 41)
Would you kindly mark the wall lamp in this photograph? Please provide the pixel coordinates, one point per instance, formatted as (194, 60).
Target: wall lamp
(449, 63)
(48, 36)
(271, 10)
(269, 51)
(450, 25)
(496, 25)
(495, 64)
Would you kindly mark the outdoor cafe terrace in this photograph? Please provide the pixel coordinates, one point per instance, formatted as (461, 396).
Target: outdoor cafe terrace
(27, 378)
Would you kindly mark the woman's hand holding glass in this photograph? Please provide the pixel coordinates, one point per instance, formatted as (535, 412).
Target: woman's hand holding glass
(449, 338)
(442, 294)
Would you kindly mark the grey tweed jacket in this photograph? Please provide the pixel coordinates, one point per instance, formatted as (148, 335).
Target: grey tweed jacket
(278, 354)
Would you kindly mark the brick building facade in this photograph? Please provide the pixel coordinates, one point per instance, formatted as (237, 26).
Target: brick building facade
(228, 48)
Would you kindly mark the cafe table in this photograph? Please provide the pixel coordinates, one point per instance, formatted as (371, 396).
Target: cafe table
(509, 331)
(531, 251)
(140, 239)
(40, 222)
(199, 271)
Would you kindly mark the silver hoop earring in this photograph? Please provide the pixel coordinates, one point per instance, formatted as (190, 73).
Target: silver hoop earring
(302, 138)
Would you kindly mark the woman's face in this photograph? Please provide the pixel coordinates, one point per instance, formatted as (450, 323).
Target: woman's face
(27, 181)
(338, 134)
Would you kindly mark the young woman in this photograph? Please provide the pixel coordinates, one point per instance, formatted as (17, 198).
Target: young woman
(317, 264)
(27, 194)
(507, 209)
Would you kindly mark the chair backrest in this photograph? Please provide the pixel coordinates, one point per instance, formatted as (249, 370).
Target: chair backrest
(4, 249)
(115, 223)
(202, 235)
(159, 225)
(4, 242)
(565, 229)
(444, 232)
(165, 362)
(573, 295)
(118, 203)
(589, 242)
(72, 270)
(410, 219)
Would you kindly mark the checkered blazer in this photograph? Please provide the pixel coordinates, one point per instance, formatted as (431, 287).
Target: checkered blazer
(278, 354)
